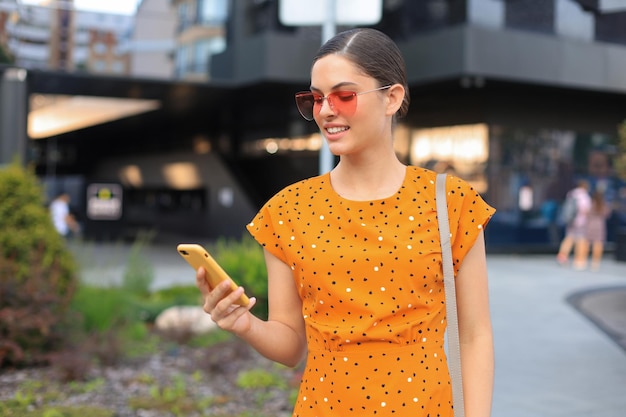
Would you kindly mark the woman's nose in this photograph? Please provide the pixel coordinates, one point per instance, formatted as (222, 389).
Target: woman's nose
(327, 107)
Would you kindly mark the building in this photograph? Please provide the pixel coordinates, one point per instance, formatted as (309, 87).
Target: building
(515, 96)
(519, 97)
(58, 37)
(199, 36)
(152, 41)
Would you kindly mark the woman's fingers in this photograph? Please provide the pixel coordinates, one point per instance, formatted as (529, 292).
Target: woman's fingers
(201, 282)
(232, 317)
(220, 302)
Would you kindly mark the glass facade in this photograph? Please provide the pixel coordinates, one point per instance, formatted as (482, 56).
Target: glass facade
(198, 19)
(194, 58)
(524, 172)
(212, 11)
(531, 170)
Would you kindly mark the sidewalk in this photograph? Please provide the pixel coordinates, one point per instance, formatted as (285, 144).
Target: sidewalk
(557, 330)
(551, 360)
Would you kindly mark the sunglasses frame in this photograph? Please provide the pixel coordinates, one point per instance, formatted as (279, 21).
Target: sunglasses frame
(350, 95)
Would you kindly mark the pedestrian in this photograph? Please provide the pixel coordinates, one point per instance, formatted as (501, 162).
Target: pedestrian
(64, 221)
(576, 229)
(596, 227)
(354, 260)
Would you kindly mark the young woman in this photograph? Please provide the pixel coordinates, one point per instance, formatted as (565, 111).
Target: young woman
(576, 230)
(354, 262)
(595, 228)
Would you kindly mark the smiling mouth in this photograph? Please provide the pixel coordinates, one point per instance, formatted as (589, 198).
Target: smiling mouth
(333, 130)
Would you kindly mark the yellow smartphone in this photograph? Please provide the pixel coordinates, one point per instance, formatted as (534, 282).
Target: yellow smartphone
(197, 257)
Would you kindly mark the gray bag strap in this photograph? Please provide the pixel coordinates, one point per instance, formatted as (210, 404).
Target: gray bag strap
(454, 353)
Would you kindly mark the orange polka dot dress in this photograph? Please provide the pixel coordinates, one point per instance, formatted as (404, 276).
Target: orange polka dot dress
(369, 274)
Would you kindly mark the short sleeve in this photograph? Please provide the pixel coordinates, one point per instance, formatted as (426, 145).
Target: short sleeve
(263, 230)
(468, 215)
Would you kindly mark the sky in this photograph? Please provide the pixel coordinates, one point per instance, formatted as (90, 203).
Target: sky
(108, 6)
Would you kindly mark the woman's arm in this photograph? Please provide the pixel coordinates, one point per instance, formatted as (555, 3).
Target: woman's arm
(282, 337)
(475, 332)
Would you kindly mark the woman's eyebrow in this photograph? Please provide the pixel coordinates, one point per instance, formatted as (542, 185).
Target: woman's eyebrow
(336, 86)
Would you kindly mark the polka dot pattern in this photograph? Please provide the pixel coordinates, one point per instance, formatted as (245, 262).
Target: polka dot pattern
(370, 277)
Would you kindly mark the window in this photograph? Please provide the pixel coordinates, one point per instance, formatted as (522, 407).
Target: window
(100, 48)
(99, 65)
(532, 15)
(213, 11)
(611, 27)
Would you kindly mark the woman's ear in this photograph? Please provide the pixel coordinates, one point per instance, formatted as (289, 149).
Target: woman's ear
(395, 97)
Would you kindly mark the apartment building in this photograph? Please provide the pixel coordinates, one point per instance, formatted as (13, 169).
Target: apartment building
(56, 36)
(152, 42)
(200, 35)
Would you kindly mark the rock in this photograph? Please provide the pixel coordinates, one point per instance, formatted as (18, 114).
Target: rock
(184, 319)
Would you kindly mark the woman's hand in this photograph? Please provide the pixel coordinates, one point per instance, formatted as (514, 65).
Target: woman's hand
(284, 324)
(219, 303)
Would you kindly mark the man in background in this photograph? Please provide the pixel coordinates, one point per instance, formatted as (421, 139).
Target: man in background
(64, 222)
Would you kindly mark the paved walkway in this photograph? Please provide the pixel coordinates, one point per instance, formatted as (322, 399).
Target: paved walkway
(551, 360)
(557, 331)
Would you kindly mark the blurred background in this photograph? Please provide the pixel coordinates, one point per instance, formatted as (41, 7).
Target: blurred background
(177, 116)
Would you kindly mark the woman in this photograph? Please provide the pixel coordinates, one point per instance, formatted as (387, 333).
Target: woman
(353, 258)
(576, 230)
(595, 231)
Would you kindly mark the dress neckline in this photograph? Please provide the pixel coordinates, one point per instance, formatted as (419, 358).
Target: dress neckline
(352, 201)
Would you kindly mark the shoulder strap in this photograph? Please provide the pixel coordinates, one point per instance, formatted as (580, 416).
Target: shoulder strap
(454, 354)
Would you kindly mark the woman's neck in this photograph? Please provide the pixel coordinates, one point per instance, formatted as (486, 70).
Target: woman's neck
(372, 180)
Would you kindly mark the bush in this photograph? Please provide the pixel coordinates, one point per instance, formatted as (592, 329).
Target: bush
(139, 272)
(37, 271)
(244, 261)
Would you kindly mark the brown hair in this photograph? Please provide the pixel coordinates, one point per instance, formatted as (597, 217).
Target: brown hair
(375, 54)
(597, 200)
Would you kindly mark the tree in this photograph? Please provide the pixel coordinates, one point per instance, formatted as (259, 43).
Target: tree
(5, 57)
(37, 271)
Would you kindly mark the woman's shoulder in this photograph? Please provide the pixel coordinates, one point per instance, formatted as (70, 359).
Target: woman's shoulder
(423, 176)
(308, 186)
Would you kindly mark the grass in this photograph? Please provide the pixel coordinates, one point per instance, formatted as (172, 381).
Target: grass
(38, 398)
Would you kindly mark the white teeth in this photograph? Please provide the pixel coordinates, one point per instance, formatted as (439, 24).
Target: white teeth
(336, 129)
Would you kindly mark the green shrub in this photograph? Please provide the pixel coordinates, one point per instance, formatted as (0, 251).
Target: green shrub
(139, 272)
(149, 307)
(260, 378)
(37, 271)
(101, 309)
(177, 295)
(244, 261)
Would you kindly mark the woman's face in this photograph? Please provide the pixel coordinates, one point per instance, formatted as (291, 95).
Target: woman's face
(353, 131)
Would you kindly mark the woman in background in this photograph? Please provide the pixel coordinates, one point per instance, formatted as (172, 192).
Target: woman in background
(596, 227)
(576, 230)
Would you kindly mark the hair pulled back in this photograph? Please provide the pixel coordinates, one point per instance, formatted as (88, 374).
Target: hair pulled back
(375, 54)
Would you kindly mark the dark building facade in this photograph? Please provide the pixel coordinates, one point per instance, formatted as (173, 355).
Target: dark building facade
(519, 97)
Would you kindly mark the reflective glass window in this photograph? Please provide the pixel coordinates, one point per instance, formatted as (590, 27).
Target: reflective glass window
(213, 11)
(533, 15)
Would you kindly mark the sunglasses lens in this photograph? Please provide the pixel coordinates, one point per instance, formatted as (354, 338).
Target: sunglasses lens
(304, 102)
(341, 102)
